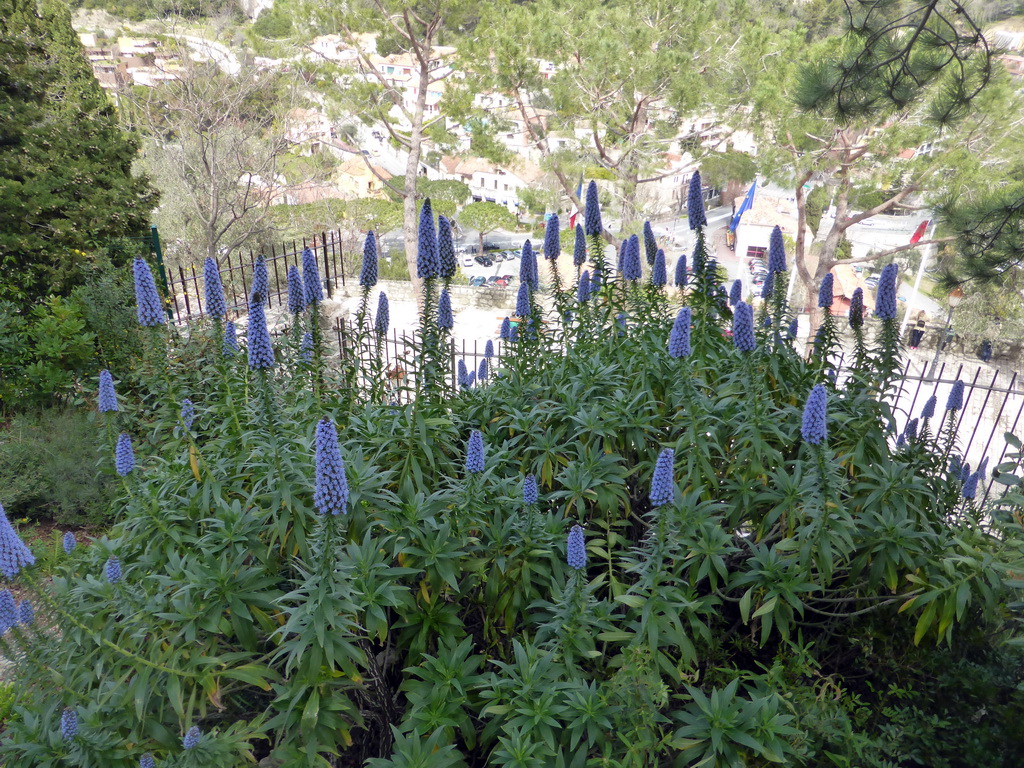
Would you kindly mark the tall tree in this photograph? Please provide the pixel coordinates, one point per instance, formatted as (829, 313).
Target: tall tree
(851, 136)
(66, 182)
(485, 218)
(624, 76)
(213, 143)
(412, 32)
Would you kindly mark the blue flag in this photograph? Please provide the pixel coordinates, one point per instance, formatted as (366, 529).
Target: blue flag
(744, 207)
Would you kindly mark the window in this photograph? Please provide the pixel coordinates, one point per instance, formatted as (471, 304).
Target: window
(389, 70)
(756, 252)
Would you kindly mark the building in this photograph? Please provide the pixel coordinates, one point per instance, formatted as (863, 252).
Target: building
(354, 179)
(492, 183)
(755, 228)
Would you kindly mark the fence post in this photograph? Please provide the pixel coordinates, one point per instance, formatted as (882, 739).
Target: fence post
(158, 251)
(327, 266)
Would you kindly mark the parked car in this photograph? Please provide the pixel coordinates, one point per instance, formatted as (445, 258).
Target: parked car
(756, 265)
(871, 282)
(483, 261)
(492, 279)
(759, 278)
(477, 281)
(501, 282)
(468, 261)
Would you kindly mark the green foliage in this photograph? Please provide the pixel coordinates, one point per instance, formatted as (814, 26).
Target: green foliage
(486, 217)
(816, 205)
(48, 469)
(45, 352)
(274, 22)
(66, 182)
(794, 604)
(721, 168)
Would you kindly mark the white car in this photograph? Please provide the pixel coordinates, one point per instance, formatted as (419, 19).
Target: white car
(468, 261)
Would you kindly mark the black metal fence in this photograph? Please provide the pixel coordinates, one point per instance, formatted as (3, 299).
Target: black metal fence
(186, 291)
(993, 406)
(398, 353)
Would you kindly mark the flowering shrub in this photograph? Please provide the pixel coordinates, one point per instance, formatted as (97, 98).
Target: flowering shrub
(632, 544)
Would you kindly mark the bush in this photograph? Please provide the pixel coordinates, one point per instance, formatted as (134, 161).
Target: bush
(715, 568)
(49, 472)
(47, 350)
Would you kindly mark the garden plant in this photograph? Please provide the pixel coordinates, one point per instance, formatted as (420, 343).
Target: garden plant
(649, 531)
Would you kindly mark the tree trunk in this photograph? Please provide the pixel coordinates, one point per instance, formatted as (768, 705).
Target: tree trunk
(481, 233)
(410, 224)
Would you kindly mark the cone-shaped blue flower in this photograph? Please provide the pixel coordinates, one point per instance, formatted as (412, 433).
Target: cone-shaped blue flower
(552, 241)
(592, 211)
(576, 549)
(681, 271)
(663, 486)
(658, 273)
(579, 250)
(631, 259)
(650, 244)
(148, 306)
(69, 542)
(306, 347)
(481, 371)
(296, 291)
(768, 287)
(230, 340)
(261, 350)
(776, 251)
(68, 724)
(475, 452)
(383, 314)
(8, 611)
(108, 397)
(885, 298)
(794, 326)
(528, 267)
(815, 423)
(736, 293)
(188, 413)
(311, 277)
(743, 327)
(260, 291)
(857, 308)
(523, 301)
(529, 490)
(446, 248)
(368, 274)
(214, 289)
(928, 411)
(489, 349)
(955, 401)
(583, 289)
(428, 260)
(825, 298)
(970, 489)
(695, 203)
(124, 456)
(191, 740)
(462, 374)
(26, 613)
(112, 570)
(911, 430)
(445, 321)
(679, 339)
(147, 761)
(330, 496)
(506, 329)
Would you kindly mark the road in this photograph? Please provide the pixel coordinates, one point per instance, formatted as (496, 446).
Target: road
(213, 51)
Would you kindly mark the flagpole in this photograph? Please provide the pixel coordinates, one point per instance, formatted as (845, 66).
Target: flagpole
(911, 305)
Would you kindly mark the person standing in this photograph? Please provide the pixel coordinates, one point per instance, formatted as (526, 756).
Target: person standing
(917, 334)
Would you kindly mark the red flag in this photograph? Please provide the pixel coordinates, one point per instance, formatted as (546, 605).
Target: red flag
(919, 232)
